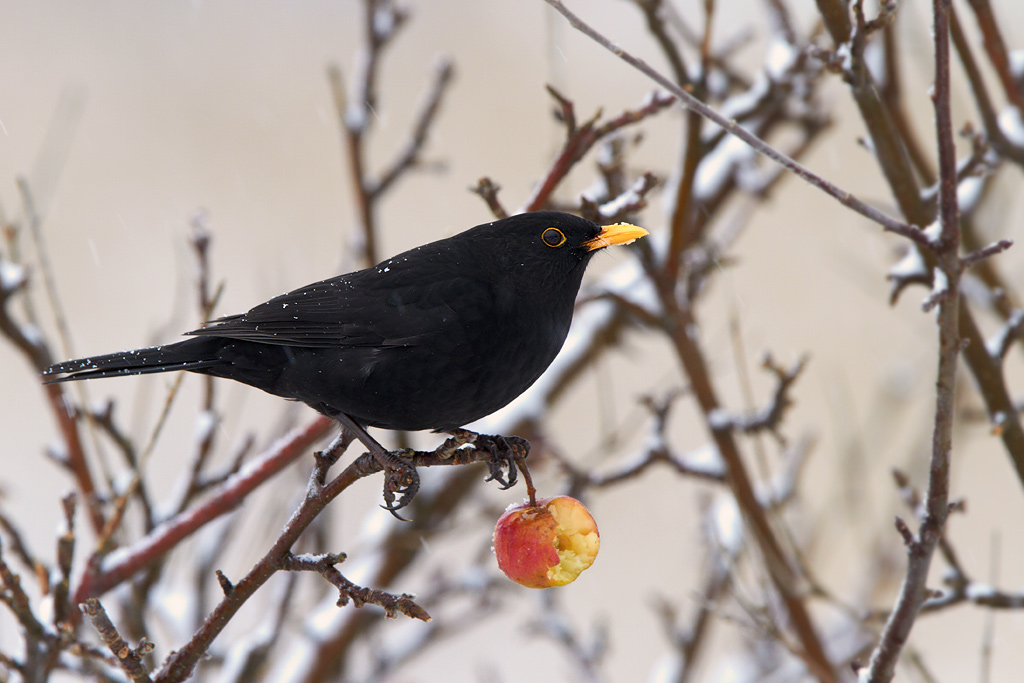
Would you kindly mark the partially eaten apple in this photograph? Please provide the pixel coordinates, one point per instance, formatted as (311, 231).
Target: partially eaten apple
(549, 544)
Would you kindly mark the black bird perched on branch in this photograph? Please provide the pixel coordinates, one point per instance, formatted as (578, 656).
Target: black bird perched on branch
(434, 338)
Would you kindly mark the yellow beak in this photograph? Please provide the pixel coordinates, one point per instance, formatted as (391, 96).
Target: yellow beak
(620, 233)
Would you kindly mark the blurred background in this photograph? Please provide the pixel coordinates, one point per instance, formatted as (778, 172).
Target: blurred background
(129, 121)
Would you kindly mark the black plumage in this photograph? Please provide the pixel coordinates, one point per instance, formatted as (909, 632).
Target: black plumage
(433, 338)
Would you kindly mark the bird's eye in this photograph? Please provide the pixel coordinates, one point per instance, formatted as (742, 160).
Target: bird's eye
(553, 237)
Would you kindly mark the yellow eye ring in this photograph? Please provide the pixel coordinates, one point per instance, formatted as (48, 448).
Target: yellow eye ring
(553, 237)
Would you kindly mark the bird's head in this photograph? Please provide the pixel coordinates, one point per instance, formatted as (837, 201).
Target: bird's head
(550, 247)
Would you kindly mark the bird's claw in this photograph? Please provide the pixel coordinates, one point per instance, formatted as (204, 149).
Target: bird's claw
(401, 482)
(506, 452)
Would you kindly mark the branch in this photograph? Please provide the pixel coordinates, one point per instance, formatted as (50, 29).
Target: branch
(409, 157)
(18, 545)
(920, 548)
(780, 567)
(319, 493)
(324, 565)
(381, 22)
(998, 55)
(28, 339)
(962, 589)
(102, 575)
(704, 463)
(65, 562)
(624, 206)
(130, 660)
(999, 345)
(770, 418)
(989, 117)
(17, 600)
(487, 190)
(974, 257)
(687, 641)
(579, 140)
(843, 197)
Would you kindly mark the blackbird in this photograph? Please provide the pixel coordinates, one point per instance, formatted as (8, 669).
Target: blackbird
(434, 338)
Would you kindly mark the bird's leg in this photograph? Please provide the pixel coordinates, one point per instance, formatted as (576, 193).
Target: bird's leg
(507, 452)
(400, 476)
(326, 458)
(460, 438)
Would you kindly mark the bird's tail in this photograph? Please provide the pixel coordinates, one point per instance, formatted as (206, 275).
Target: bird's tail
(191, 354)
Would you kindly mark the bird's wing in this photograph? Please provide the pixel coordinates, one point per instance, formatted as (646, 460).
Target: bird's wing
(392, 304)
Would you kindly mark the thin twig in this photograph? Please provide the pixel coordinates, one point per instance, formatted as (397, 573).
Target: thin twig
(409, 157)
(26, 338)
(580, 139)
(348, 591)
(65, 561)
(381, 21)
(487, 189)
(920, 547)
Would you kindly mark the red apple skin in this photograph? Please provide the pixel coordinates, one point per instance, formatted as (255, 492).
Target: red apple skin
(527, 541)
